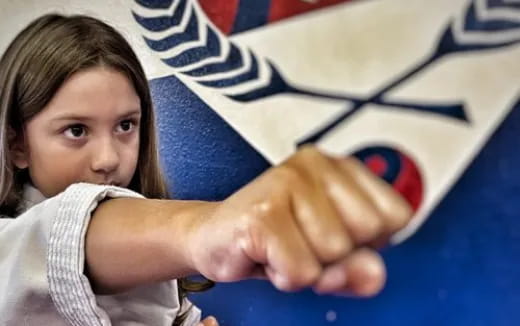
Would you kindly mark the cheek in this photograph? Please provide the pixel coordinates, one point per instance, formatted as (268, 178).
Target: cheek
(130, 157)
(54, 158)
(54, 170)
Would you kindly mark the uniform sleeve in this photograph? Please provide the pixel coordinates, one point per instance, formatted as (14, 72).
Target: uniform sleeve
(69, 287)
(42, 257)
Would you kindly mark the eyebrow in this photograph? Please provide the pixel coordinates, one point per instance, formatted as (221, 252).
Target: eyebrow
(78, 117)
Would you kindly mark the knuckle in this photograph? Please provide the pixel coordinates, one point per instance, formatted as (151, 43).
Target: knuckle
(310, 153)
(374, 227)
(400, 215)
(302, 278)
(368, 228)
(297, 276)
(309, 276)
(352, 163)
(287, 176)
(263, 209)
(309, 150)
(334, 248)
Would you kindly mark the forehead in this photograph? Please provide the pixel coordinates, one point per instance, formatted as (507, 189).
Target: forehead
(95, 93)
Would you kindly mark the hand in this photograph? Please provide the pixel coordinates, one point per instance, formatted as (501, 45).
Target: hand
(208, 321)
(309, 222)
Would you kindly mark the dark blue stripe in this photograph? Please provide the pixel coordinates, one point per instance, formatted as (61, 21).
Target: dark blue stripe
(448, 44)
(192, 55)
(251, 14)
(474, 24)
(276, 85)
(191, 33)
(503, 4)
(158, 24)
(153, 4)
(250, 74)
(233, 61)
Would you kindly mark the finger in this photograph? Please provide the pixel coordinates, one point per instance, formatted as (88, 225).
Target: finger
(394, 209)
(315, 214)
(362, 273)
(291, 264)
(345, 199)
(359, 214)
(208, 321)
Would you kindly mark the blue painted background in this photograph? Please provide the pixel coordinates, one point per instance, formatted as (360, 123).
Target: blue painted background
(461, 268)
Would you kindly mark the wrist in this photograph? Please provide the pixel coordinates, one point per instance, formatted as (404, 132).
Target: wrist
(183, 238)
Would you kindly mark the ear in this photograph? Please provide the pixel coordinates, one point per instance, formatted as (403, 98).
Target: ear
(18, 149)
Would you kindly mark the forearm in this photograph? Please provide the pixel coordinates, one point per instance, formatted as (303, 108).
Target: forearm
(132, 242)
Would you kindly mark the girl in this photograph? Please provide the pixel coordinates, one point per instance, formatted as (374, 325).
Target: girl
(81, 246)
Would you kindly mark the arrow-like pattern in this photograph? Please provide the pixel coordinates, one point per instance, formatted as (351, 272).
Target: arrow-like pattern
(179, 32)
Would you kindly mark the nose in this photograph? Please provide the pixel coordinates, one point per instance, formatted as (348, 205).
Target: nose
(105, 156)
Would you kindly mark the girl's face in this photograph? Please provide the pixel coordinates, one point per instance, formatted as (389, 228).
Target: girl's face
(89, 132)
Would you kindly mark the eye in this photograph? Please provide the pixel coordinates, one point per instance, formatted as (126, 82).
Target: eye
(126, 126)
(75, 131)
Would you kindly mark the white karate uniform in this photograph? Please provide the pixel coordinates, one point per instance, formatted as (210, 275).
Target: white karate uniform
(42, 258)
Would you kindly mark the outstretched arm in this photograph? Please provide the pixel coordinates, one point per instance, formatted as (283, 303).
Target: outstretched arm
(308, 222)
(131, 242)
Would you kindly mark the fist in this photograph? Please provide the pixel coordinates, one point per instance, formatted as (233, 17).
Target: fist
(311, 221)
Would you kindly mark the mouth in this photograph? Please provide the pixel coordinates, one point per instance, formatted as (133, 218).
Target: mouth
(110, 183)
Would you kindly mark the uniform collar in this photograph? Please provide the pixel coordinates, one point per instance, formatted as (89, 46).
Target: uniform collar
(31, 197)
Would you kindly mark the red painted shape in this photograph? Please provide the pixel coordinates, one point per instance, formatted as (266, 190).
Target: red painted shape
(281, 9)
(377, 165)
(221, 12)
(409, 182)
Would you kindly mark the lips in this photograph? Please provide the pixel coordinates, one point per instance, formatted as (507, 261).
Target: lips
(106, 183)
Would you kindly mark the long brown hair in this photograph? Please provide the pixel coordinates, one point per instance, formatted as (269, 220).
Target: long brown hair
(35, 65)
